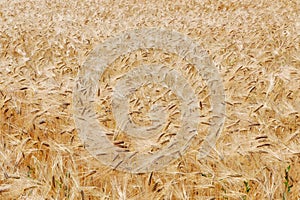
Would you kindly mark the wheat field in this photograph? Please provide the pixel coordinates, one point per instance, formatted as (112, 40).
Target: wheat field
(254, 44)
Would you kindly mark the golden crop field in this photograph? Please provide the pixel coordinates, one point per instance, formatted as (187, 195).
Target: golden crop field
(255, 47)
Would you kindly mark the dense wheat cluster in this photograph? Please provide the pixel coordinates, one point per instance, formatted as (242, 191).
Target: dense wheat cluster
(255, 45)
